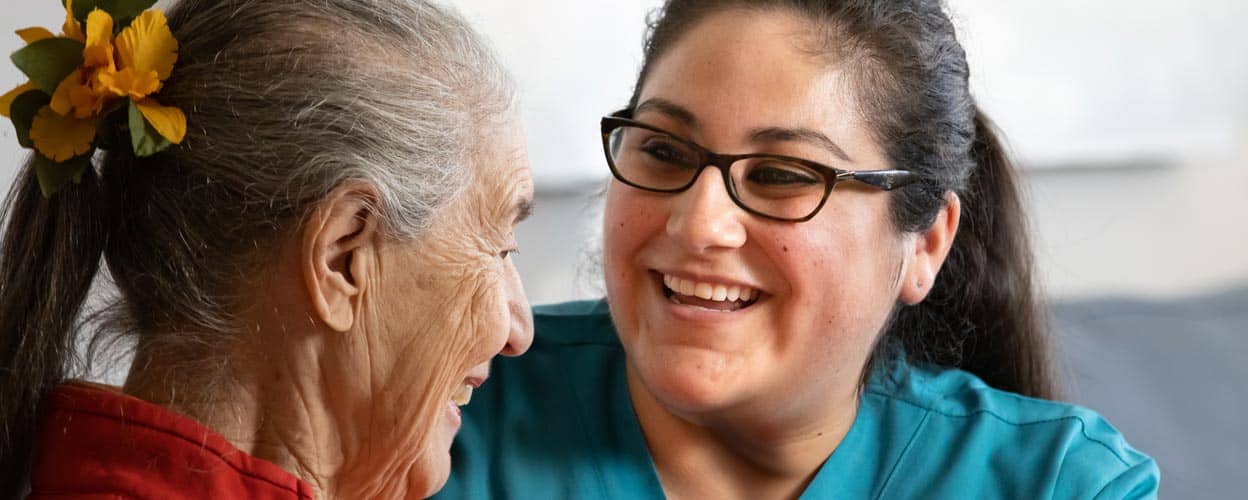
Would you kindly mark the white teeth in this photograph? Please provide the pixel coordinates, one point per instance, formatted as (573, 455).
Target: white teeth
(686, 287)
(708, 291)
(462, 396)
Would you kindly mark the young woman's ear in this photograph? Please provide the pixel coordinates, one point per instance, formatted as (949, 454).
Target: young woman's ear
(339, 245)
(929, 252)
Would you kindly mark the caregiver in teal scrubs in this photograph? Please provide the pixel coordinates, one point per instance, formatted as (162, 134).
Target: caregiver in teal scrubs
(766, 336)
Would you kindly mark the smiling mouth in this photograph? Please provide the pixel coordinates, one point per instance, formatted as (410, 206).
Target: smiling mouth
(711, 296)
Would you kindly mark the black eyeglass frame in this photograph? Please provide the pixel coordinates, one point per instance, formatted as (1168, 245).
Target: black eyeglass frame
(886, 180)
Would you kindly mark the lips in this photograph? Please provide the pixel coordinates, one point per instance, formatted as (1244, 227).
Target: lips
(709, 295)
(463, 395)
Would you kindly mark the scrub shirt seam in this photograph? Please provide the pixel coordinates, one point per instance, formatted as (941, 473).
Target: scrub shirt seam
(1083, 428)
(888, 481)
(1112, 480)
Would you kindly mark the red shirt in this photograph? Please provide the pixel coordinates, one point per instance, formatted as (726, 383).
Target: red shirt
(96, 442)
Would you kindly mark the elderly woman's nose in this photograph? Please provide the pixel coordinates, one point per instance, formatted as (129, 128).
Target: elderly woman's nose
(520, 334)
(704, 217)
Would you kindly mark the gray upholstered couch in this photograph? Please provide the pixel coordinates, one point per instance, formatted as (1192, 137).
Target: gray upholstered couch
(1173, 377)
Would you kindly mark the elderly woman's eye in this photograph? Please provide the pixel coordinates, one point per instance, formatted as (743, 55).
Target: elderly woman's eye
(508, 253)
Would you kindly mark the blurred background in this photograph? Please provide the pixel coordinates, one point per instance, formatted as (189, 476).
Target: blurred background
(1129, 120)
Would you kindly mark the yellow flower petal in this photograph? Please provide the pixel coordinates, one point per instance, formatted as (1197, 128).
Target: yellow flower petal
(76, 95)
(99, 49)
(61, 102)
(32, 35)
(72, 28)
(6, 100)
(169, 121)
(129, 83)
(148, 45)
(61, 137)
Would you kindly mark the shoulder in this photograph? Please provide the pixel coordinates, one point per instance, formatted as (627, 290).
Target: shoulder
(555, 422)
(573, 323)
(1026, 443)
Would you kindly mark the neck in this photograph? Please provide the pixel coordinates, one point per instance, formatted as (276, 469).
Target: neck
(742, 453)
(276, 407)
(263, 414)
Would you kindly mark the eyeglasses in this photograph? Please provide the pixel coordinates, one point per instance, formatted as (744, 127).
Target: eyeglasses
(772, 186)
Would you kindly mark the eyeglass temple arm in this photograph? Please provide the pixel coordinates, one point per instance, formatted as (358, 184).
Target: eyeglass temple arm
(883, 179)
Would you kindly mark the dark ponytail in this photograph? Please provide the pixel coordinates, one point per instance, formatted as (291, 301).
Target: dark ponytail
(48, 259)
(983, 314)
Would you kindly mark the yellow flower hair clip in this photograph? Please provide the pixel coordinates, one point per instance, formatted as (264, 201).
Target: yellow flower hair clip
(111, 57)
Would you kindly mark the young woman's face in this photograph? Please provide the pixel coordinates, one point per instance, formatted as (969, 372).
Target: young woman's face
(743, 82)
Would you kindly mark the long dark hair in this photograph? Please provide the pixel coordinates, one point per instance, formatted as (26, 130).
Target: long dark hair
(48, 260)
(983, 314)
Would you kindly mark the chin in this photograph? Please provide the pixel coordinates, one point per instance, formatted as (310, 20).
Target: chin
(430, 475)
(434, 466)
(691, 380)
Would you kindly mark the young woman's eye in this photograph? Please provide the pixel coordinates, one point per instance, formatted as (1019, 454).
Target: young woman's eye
(666, 151)
(781, 176)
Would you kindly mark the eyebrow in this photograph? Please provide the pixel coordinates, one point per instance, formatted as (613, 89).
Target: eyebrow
(768, 134)
(668, 108)
(780, 134)
(524, 209)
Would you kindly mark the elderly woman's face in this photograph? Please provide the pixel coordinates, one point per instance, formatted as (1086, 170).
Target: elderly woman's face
(819, 291)
(445, 306)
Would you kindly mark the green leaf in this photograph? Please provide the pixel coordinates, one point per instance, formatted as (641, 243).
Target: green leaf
(126, 9)
(145, 139)
(23, 112)
(53, 176)
(49, 61)
(82, 8)
(119, 9)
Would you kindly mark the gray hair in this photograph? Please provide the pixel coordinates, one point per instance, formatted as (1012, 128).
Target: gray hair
(287, 99)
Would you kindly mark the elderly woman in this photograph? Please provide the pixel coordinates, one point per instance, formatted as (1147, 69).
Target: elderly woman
(766, 336)
(314, 280)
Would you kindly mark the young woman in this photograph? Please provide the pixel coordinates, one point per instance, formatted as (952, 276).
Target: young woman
(315, 279)
(767, 336)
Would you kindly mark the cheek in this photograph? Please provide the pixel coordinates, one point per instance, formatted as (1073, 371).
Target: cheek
(483, 307)
(841, 276)
(630, 219)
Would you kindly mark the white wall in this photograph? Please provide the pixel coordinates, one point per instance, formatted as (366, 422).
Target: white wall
(1130, 116)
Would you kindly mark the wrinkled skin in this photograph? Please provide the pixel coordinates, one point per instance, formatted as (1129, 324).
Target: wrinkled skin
(451, 302)
(361, 338)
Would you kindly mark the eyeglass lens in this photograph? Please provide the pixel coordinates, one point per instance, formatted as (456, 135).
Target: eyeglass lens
(772, 186)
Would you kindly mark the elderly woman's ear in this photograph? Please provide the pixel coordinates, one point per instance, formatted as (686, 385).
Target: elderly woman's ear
(339, 242)
(929, 252)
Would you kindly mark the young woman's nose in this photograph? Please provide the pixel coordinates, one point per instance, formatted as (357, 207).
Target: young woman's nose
(704, 217)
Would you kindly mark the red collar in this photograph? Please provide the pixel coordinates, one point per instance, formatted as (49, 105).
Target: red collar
(96, 440)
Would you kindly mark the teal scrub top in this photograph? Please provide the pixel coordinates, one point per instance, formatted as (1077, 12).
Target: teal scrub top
(558, 423)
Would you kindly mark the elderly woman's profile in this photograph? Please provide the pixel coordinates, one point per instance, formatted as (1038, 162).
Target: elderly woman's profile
(307, 219)
(818, 286)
